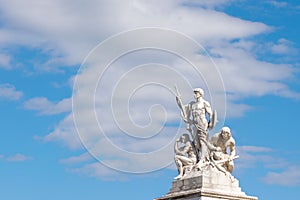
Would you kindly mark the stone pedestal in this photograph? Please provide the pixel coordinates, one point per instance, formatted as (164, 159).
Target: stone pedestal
(210, 184)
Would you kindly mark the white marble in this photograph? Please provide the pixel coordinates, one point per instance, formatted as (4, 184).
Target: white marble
(204, 164)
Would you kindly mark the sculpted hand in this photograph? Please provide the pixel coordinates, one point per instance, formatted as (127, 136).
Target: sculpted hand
(188, 127)
(230, 158)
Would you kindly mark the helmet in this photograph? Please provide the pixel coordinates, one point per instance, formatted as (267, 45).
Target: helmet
(199, 90)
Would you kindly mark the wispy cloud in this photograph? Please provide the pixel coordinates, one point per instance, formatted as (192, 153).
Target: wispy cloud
(9, 92)
(279, 170)
(5, 61)
(64, 133)
(85, 157)
(99, 171)
(74, 34)
(282, 46)
(46, 107)
(250, 156)
(252, 77)
(278, 4)
(85, 165)
(255, 149)
(75, 29)
(18, 158)
(289, 176)
(207, 3)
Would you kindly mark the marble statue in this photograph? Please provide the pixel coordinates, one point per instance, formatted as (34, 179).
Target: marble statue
(185, 157)
(224, 141)
(204, 164)
(198, 117)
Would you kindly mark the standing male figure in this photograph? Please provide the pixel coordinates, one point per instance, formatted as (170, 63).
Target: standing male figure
(195, 115)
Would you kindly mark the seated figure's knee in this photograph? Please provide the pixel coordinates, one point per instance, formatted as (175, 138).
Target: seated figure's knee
(230, 167)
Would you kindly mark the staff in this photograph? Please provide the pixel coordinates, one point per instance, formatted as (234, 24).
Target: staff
(180, 105)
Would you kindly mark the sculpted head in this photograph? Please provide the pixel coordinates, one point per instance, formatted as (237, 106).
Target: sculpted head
(198, 92)
(225, 133)
(184, 138)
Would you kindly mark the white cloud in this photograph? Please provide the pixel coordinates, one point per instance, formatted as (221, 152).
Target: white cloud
(65, 133)
(46, 107)
(279, 171)
(279, 4)
(290, 176)
(5, 61)
(18, 158)
(85, 157)
(67, 31)
(85, 165)
(255, 149)
(251, 156)
(208, 3)
(282, 46)
(100, 171)
(76, 28)
(245, 76)
(99, 19)
(9, 92)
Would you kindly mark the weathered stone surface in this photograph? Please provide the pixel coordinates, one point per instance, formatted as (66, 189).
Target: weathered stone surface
(205, 165)
(208, 184)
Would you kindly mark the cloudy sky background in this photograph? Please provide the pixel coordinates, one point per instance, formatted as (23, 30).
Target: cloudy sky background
(254, 47)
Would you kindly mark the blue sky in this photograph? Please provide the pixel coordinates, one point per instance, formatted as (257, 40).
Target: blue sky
(254, 46)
